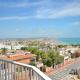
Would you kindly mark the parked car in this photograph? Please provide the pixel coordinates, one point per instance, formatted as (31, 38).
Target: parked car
(73, 71)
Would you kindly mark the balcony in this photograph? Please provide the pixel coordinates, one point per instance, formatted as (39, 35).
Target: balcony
(12, 70)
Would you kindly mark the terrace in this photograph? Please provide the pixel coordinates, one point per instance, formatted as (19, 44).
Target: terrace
(12, 70)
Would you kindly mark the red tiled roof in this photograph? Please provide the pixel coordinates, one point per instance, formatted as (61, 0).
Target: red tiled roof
(24, 58)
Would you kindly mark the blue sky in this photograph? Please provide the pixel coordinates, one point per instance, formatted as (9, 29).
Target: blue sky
(39, 18)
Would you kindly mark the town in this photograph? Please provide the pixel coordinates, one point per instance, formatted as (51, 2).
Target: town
(39, 39)
(47, 54)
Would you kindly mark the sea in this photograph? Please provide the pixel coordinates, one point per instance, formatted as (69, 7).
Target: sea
(69, 41)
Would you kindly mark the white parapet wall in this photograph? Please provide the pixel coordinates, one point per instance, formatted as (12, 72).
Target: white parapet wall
(32, 70)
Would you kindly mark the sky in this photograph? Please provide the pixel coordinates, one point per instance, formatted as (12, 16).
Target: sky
(39, 18)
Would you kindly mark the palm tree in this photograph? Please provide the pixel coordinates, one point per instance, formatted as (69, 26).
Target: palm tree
(4, 51)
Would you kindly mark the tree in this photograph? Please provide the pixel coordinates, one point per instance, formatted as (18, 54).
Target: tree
(49, 62)
(4, 51)
(59, 59)
(55, 57)
(33, 64)
(32, 50)
(61, 46)
(23, 48)
(44, 56)
(44, 61)
(52, 55)
(40, 54)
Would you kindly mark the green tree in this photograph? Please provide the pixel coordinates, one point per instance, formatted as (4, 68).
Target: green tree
(61, 46)
(4, 51)
(44, 56)
(40, 54)
(52, 55)
(49, 62)
(55, 57)
(33, 50)
(59, 59)
(44, 61)
(33, 64)
(23, 48)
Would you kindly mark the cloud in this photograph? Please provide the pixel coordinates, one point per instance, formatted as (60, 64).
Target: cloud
(72, 9)
(49, 9)
(76, 23)
(15, 17)
(21, 4)
(17, 30)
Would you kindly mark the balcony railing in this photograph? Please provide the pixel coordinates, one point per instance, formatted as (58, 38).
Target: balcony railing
(12, 70)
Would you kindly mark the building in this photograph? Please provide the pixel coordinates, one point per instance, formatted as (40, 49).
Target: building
(9, 47)
(25, 58)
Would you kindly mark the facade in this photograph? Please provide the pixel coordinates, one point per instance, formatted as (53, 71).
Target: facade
(14, 47)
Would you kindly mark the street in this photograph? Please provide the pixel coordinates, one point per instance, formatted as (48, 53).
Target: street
(62, 74)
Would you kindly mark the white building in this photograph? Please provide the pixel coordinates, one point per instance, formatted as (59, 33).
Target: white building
(65, 52)
(11, 46)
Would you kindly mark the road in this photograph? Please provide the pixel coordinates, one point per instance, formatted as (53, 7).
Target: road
(64, 73)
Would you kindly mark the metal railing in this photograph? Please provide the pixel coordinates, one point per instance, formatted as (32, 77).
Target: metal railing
(12, 70)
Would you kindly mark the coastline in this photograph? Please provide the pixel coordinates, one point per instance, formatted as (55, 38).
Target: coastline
(69, 41)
